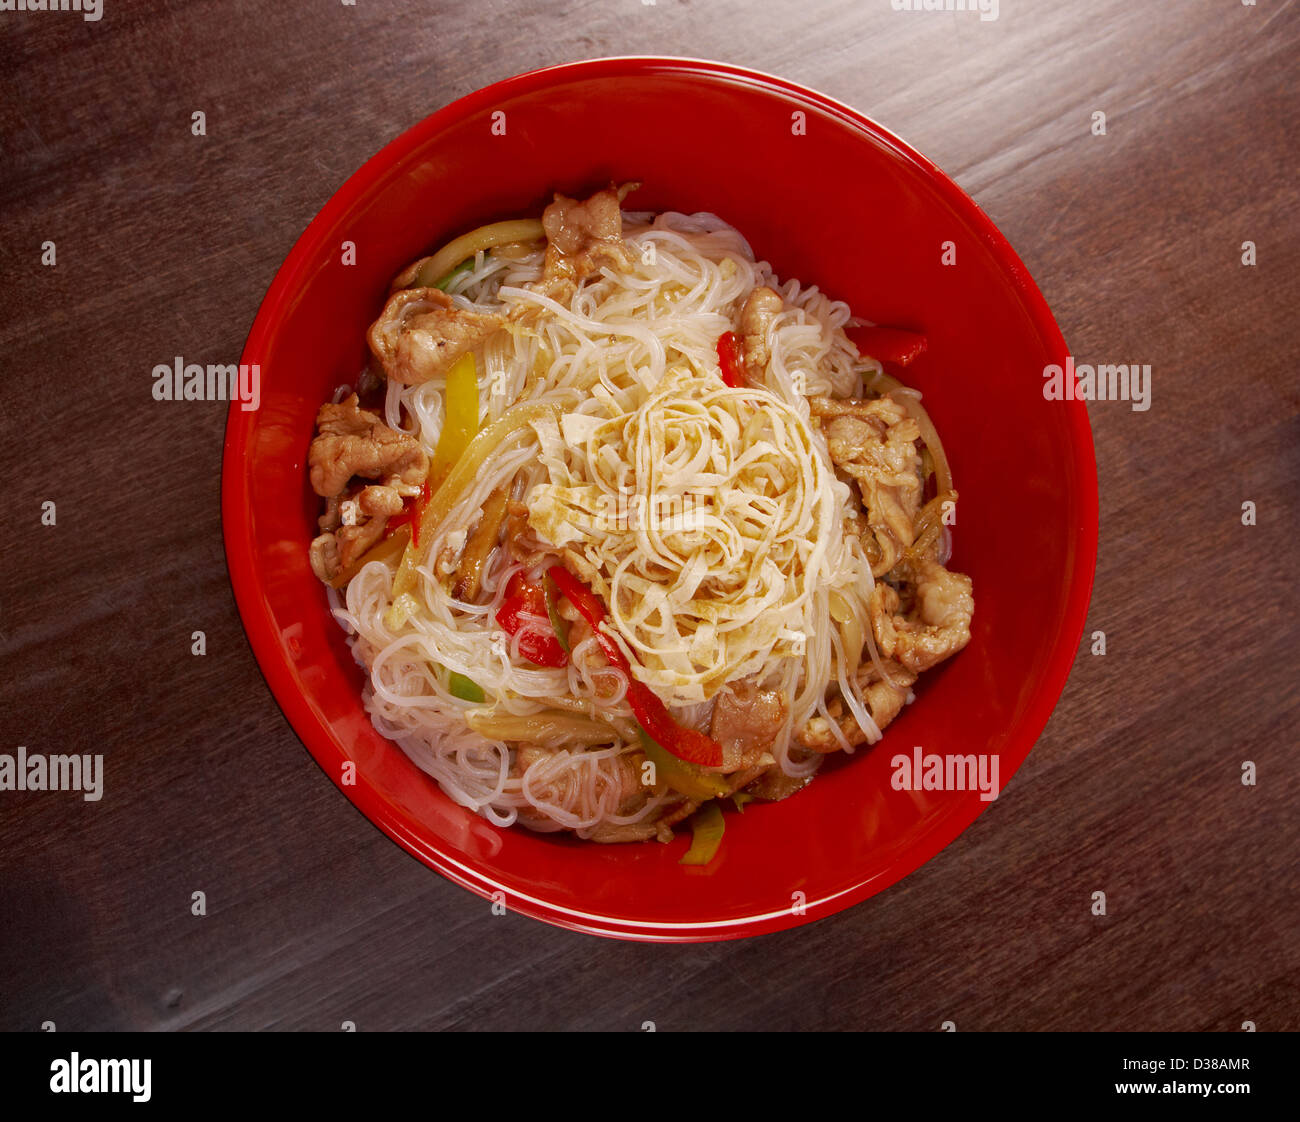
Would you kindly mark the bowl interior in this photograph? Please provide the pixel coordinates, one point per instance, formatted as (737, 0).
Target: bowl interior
(825, 196)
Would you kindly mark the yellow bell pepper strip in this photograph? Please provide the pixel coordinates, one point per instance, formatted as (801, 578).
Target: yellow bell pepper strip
(446, 496)
(707, 827)
(459, 425)
(686, 744)
(464, 688)
(461, 421)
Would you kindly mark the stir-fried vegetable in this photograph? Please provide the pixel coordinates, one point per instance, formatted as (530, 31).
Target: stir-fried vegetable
(461, 269)
(708, 827)
(464, 688)
(410, 516)
(731, 360)
(887, 344)
(684, 743)
(391, 546)
(551, 728)
(850, 629)
(479, 449)
(558, 623)
(460, 422)
(930, 438)
(480, 546)
(458, 430)
(684, 778)
(445, 498)
(523, 609)
(427, 272)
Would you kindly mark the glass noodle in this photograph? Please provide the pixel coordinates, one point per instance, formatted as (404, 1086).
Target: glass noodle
(604, 356)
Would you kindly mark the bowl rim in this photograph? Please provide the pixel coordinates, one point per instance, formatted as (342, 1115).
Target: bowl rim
(259, 626)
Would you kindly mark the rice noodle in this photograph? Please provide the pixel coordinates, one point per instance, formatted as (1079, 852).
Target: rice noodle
(616, 400)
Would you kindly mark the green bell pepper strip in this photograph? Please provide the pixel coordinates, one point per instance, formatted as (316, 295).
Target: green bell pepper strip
(558, 623)
(708, 827)
(682, 777)
(465, 688)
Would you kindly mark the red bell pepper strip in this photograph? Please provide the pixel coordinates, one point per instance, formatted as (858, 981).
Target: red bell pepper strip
(887, 344)
(411, 513)
(731, 359)
(525, 606)
(684, 743)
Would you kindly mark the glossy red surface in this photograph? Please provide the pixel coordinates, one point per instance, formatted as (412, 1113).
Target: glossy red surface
(840, 203)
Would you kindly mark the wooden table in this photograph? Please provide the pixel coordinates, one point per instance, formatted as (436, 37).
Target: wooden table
(165, 243)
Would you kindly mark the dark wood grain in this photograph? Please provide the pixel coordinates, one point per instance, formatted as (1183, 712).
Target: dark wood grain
(166, 243)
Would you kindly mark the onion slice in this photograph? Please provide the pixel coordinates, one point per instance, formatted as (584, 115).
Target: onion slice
(428, 271)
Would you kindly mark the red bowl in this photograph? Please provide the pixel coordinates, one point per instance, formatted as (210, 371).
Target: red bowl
(827, 196)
